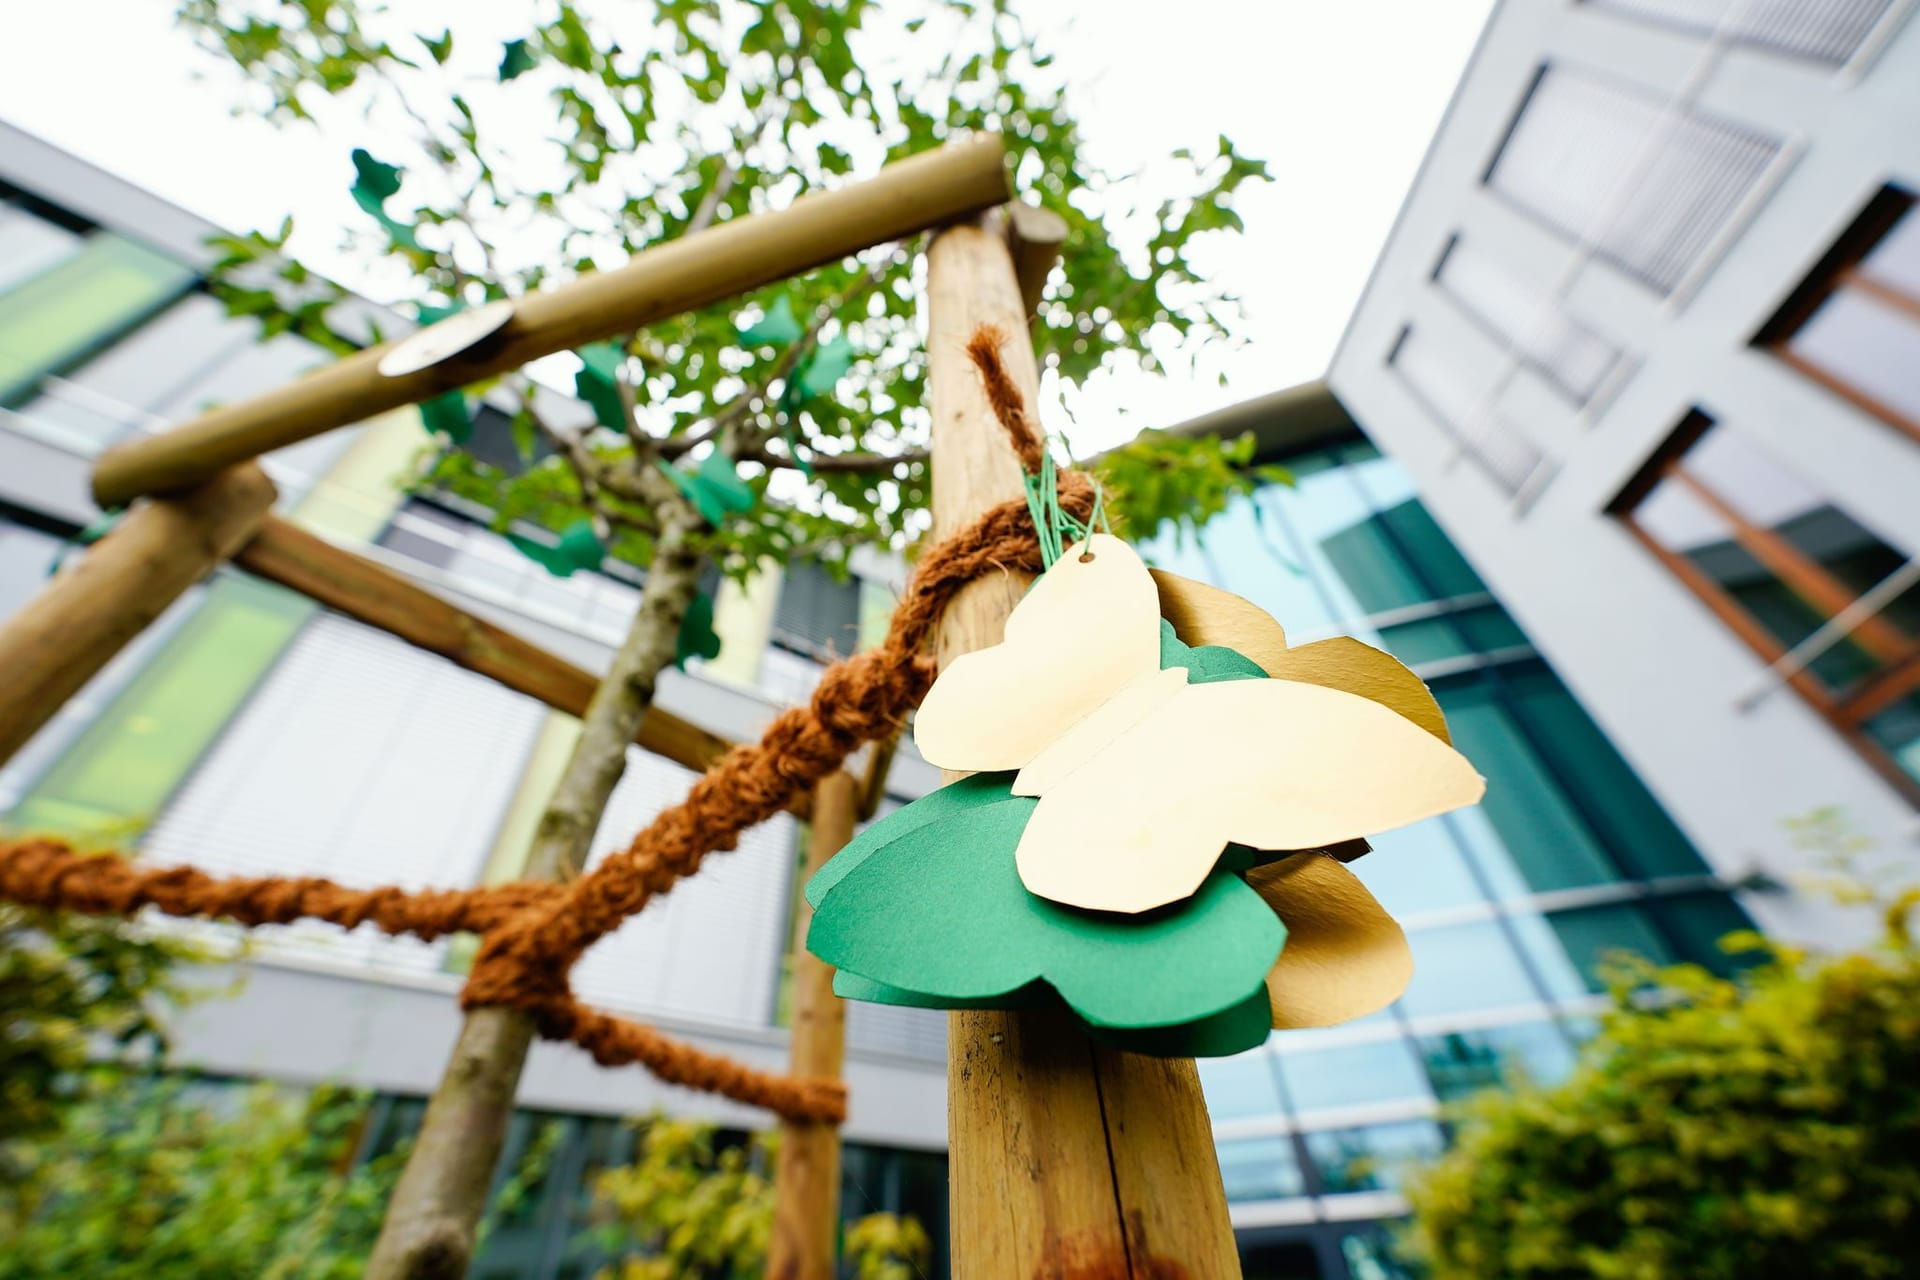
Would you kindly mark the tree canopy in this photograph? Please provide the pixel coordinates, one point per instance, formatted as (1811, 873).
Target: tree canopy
(497, 160)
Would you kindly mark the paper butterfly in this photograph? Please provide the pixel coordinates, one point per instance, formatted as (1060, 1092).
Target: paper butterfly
(1161, 783)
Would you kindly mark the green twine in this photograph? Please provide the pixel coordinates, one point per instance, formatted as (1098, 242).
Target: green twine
(1051, 522)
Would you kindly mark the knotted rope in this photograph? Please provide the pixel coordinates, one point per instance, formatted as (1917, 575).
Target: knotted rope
(533, 932)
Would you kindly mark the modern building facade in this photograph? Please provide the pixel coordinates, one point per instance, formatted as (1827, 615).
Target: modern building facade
(249, 732)
(1512, 907)
(1646, 336)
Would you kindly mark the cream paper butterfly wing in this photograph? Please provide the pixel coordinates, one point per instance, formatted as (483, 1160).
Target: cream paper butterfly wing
(1145, 778)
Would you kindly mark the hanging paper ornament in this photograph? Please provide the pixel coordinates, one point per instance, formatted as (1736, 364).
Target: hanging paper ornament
(1150, 753)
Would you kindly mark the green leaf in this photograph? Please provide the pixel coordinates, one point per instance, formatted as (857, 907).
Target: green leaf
(516, 59)
(449, 416)
(607, 359)
(525, 435)
(442, 48)
(777, 328)
(578, 548)
(828, 364)
(697, 638)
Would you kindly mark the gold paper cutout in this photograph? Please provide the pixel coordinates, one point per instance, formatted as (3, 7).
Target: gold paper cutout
(1345, 956)
(1202, 614)
(1355, 667)
(1085, 631)
(1272, 764)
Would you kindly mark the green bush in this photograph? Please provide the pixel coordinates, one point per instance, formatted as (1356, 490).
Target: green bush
(1763, 1126)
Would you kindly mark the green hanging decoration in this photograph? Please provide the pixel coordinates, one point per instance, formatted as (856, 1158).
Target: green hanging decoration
(825, 367)
(374, 181)
(697, 638)
(516, 59)
(449, 416)
(714, 488)
(578, 547)
(779, 327)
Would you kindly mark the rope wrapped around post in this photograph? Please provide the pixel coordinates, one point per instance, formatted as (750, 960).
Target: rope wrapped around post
(532, 933)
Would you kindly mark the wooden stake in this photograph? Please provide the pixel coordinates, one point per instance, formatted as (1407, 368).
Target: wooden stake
(1066, 1160)
(806, 1195)
(63, 636)
(367, 592)
(1035, 236)
(708, 266)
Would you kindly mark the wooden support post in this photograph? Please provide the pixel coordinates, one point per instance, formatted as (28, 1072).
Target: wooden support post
(1035, 236)
(375, 595)
(62, 637)
(709, 266)
(1067, 1160)
(806, 1181)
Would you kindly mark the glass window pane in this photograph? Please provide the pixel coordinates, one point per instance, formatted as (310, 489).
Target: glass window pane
(1465, 967)
(1870, 345)
(1897, 732)
(61, 314)
(1581, 140)
(1895, 261)
(1571, 356)
(1240, 1087)
(1376, 1158)
(1694, 924)
(1635, 830)
(30, 244)
(1543, 835)
(1250, 547)
(1419, 868)
(1461, 1063)
(1452, 388)
(113, 782)
(1352, 1075)
(1584, 941)
(1260, 1169)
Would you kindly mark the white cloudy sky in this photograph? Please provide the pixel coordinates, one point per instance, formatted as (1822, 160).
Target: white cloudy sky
(1338, 96)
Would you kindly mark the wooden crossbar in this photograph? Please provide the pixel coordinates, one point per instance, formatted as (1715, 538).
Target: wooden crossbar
(724, 261)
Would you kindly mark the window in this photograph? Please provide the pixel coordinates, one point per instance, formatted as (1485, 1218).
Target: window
(1854, 325)
(78, 305)
(1376, 1158)
(1827, 31)
(1240, 1087)
(1457, 401)
(1649, 185)
(817, 613)
(1353, 1075)
(29, 244)
(1260, 1169)
(1461, 1063)
(1572, 358)
(1780, 563)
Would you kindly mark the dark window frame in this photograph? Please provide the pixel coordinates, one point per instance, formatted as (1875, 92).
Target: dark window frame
(1839, 271)
(1845, 710)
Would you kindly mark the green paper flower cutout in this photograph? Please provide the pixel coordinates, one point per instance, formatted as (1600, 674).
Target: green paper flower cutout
(930, 902)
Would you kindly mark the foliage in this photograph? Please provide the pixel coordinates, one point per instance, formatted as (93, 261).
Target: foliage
(1726, 1128)
(1160, 477)
(691, 1206)
(68, 984)
(164, 1178)
(170, 1178)
(652, 120)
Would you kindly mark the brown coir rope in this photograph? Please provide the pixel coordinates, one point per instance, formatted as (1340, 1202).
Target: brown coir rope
(532, 933)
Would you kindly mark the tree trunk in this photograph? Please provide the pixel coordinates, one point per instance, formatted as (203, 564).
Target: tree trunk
(436, 1207)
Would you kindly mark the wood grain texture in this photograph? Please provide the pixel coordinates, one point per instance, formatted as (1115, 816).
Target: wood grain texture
(709, 266)
(806, 1180)
(366, 592)
(61, 638)
(1066, 1162)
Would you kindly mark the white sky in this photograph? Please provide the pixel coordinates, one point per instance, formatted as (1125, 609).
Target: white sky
(1338, 96)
